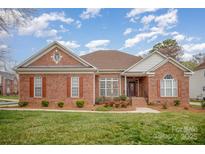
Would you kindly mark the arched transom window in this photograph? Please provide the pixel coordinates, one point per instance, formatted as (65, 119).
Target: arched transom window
(168, 86)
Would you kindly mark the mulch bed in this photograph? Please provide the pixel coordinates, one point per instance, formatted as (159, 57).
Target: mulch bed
(72, 106)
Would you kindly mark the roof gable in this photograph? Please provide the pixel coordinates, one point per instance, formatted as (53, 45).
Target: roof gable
(153, 61)
(45, 58)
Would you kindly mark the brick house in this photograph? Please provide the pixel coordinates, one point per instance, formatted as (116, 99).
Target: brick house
(57, 74)
(8, 80)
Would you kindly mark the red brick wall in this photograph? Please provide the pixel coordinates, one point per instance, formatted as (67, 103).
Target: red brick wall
(178, 74)
(143, 86)
(46, 59)
(56, 88)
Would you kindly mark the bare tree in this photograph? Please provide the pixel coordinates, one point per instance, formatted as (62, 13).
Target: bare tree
(199, 58)
(9, 20)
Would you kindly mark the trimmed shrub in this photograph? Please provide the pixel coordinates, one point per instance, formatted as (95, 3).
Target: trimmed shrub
(60, 104)
(22, 104)
(109, 104)
(124, 104)
(117, 105)
(102, 108)
(116, 99)
(80, 103)
(123, 97)
(107, 99)
(98, 100)
(45, 103)
(106, 104)
(150, 103)
(130, 101)
(203, 105)
(164, 105)
(176, 102)
(186, 107)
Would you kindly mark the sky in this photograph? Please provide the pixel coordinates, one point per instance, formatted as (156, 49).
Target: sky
(134, 31)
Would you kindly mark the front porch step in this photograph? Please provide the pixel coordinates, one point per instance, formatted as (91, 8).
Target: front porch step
(139, 102)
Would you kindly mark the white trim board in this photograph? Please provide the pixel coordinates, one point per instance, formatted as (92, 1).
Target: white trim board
(47, 49)
(143, 59)
(166, 59)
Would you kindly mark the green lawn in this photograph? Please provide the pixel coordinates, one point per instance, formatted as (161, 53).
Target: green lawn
(38, 127)
(10, 97)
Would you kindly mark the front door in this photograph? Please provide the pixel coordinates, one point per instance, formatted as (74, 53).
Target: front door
(131, 88)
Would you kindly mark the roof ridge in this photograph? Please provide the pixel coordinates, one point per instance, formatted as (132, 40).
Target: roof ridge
(110, 50)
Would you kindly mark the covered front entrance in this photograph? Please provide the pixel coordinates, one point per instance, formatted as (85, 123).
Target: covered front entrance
(136, 86)
(133, 88)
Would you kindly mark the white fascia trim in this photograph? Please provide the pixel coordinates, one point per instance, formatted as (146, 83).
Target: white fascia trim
(181, 65)
(144, 59)
(135, 74)
(174, 62)
(46, 50)
(56, 72)
(34, 55)
(150, 73)
(107, 70)
(56, 69)
(188, 74)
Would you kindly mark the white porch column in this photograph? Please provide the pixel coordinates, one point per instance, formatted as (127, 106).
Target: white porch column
(125, 85)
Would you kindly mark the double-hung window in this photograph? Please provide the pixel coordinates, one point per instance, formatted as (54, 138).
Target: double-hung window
(168, 87)
(109, 87)
(75, 86)
(38, 86)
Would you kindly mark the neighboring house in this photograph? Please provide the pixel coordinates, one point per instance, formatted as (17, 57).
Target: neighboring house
(57, 74)
(197, 83)
(8, 80)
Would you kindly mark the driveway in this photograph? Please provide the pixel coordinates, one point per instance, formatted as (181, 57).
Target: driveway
(7, 104)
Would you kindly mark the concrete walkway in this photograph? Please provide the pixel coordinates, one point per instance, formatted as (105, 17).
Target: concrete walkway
(8, 104)
(138, 110)
(8, 100)
(195, 103)
(146, 110)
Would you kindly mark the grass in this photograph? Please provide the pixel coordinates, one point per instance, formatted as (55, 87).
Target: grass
(38, 127)
(10, 97)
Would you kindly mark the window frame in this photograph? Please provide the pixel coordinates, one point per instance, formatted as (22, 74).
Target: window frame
(75, 87)
(203, 89)
(165, 87)
(38, 87)
(106, 80)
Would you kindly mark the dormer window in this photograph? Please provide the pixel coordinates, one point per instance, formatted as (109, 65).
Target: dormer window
(56, 57)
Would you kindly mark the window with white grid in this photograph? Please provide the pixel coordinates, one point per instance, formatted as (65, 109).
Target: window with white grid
(109, 87)
(75, 86)
(168, 87)
(38, 86)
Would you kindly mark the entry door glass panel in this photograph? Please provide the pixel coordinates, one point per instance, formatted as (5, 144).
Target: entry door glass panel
(132, 88)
